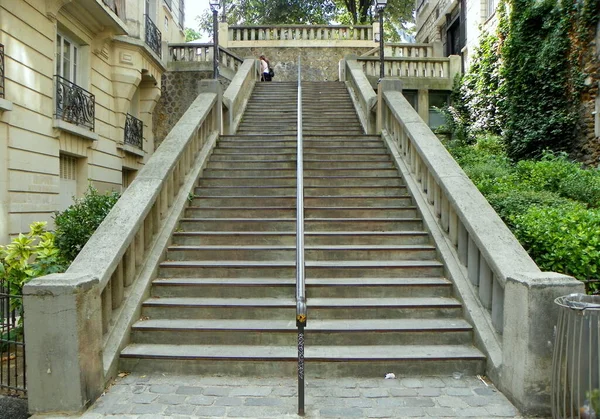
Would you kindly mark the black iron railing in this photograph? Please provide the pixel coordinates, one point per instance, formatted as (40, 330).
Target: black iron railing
(1, 71)
(134, 132)
(153, 36)
(74, 104)
(12, 344)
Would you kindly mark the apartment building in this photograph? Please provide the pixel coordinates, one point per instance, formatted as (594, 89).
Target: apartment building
(79, 80)
(457, 24)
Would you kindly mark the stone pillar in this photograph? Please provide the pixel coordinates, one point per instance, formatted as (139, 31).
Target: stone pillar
(455, 66)
(385, 85)
(438, 49)
(223, 34)
(63, 331)
(423, 104)
(214, 86)
(530, 316)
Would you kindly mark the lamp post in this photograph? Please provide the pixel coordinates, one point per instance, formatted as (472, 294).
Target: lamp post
(214, 6)
(379, 6)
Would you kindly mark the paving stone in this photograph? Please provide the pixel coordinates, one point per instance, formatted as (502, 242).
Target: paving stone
(163, 389)
(228, 401)
(418, 402)
(403, 392)
(345, 392)
(375, 393)
(144, 398)
(333, 412)
(453, 382)
(112, 408)
(429, 392)
(259, 411)
(217, 391)
(459, 391)
(453, 402)
(171, 399)
(210, 411)
(440, 412)
(433, 382)
(180, 410)
(285, 391)
(476, 401)
(138, 388)
(485, 391)
(250, 391)
(191, 391)
(262, 401)
(412, 412)
(358, 402)
(479, 412)
(201, 400)
(391, 402)
(154, 408)
(380, 413)
(411, 382)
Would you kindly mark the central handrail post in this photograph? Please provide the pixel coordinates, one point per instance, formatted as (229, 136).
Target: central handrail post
(301, 310)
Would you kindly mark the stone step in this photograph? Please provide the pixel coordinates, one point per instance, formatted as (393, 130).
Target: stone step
(370, 201)
(267, 172)
(290, 212)
(287, 269)
(313, 224)
(276, 332)
(285, 308)
(311, 253)
(290, 163)
(309, 181)
(321, 361)
(285, 287)
(374, 190)
(249, 238)
(219, 155)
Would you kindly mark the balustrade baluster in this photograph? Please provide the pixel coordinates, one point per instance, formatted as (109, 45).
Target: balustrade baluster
(106, 298)
(498, 305)
(430, 189)
(437, 203)
(473, 262)
(129, 260)
(444, 213)
(453, 227)
(148, 231)
(485, 283)
(155, 213)
(463, 243)
(139, 246)
(117, 286)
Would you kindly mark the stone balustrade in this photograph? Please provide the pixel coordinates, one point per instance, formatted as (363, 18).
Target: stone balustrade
(202, 53)
(393, 50)
(440, 71)
(77, 322)
(506, 296)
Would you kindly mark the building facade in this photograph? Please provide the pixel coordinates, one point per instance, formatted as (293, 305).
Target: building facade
(79, 80)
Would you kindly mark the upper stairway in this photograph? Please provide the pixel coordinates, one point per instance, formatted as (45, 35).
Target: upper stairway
(378, 299)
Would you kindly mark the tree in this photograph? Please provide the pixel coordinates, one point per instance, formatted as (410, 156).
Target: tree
(191, 35)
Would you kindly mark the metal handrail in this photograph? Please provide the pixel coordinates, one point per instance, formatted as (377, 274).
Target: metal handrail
(301, 310)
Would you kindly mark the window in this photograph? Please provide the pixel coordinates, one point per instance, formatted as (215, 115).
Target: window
(68, 181)
(128, 175)
(412, 97)
(67, 58)
(437, 100)
(491, 7)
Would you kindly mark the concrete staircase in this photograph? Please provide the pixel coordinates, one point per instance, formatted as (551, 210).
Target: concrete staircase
(378, 301)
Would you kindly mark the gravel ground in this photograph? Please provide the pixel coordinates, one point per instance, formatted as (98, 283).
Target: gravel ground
(13, 408)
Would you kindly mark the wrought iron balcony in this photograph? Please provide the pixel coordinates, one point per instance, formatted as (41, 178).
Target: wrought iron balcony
(1, 71)
(74, 104)
(134, 132)
(153, 36)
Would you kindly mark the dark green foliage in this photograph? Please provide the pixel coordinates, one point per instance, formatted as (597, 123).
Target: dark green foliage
(562, 239)
(540, 103)
(76, 224)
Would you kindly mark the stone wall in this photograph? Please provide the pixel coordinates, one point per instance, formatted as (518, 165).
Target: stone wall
(179, 90)
(318, 64)
(588, 149)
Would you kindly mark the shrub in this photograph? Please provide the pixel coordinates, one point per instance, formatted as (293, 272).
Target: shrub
(28, 256)
(563, 239)
(76, 224)
(555, 173)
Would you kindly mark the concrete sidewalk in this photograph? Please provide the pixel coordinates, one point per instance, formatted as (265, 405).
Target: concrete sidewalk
(168, 396)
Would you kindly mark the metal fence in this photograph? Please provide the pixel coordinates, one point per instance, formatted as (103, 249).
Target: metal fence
(153, 36)
(12, 344)
(74, 104)
(134, 132)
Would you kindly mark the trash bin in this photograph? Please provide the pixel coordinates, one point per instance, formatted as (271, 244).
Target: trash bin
(575, 367)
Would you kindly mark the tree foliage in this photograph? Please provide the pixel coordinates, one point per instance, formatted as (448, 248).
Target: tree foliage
(310, 12)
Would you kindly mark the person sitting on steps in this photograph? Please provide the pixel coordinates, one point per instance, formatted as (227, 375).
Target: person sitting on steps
(265, 66)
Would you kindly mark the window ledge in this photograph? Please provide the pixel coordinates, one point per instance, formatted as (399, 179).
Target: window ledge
(74, 129)
(131, 149)
(6, 105)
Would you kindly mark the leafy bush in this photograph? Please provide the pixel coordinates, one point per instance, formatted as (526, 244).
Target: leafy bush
(26, 257)
(555, 173)
(562, 239)
(76, 224)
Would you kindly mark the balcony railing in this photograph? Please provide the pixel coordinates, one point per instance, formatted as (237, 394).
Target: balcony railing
(153, 36)
(1, 71)
(74, 104)
(169, 4)
(134, 132)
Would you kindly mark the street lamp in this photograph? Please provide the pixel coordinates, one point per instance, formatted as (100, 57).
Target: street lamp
(379, 5)
(214, 6)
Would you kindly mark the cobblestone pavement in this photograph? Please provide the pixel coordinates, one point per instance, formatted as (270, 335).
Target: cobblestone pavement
(167, 396)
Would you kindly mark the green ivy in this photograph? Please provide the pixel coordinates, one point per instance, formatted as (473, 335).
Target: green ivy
(76, 224)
